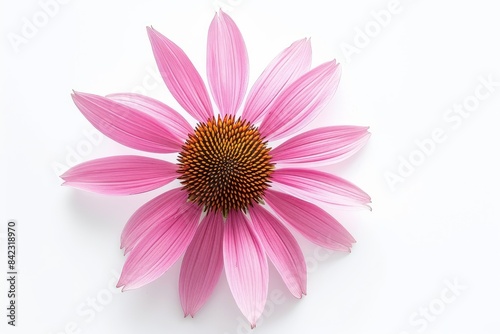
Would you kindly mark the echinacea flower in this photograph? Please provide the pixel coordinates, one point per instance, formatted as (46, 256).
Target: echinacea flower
(238, 193)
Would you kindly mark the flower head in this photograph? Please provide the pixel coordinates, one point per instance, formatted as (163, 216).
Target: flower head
(225, 165)
(237, 192)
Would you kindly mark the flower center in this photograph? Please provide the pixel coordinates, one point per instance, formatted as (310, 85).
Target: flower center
(225, 165)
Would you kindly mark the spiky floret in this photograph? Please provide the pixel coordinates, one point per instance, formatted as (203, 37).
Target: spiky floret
(225, 165)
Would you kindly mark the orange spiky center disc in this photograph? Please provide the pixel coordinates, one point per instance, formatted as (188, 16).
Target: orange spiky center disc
(225, 165)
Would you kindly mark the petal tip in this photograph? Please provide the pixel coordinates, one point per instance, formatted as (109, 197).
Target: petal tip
(299, 295)
(221, 12)
(304, 42)
(122, 284)
(78, 95)
(152, 33)
(188, 313)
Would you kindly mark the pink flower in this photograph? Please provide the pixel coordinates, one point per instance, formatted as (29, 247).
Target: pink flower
(226, 168)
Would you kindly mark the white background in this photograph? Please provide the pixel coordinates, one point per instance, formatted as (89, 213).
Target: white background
(437, 228)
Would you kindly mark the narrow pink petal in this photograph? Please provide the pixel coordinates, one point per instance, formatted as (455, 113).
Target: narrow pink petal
(202, 264)
(126, 125)
(282, 249)
(311, 221)
(289, 65)
(301, 102)
(181, 77)
(160, 247)
(227, 64)
(245, 264)
(159, 110)
(321, 146)
(311, 184)
(157, 210)
(121, 175)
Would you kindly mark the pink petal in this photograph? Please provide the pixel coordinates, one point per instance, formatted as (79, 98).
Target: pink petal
(301, 102)
(282, 249)
(311, 184)
(202, 264)
(290, 64)
(126, 125)
(162, 207)
(227, 64)
(246, 266)
(181, 77)
(121, 175)
(321, 146)
(161, 246)
(177, 124)
(311, 221)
